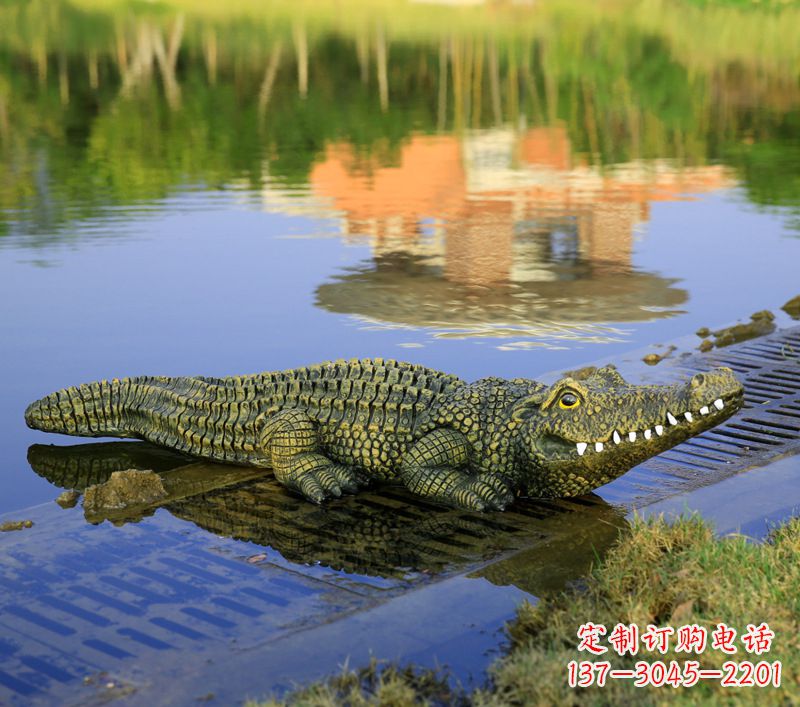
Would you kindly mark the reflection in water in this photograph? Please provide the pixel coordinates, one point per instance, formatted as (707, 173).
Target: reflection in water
(525, 238)
(482, 189)
(112, 105)
(572, 305)
(387, 533)
(500, 175)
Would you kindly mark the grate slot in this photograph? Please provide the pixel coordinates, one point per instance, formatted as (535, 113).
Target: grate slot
(757, 430)
(699, 455)
(783, 413)
(776, 386)
(765, 353)
(736, 361)
(767, 390)
(760, 346)
(746, 437)
(757, 402)
(787, 380)
(671, 456)
(676, 471)
(743, 446)
(777, 425)
(737, 367)
(14, 683)
(708, 448)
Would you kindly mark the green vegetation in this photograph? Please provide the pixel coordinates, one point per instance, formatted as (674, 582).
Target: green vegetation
(662, 574)
(387, 686)
(667, 575)
(105, 103)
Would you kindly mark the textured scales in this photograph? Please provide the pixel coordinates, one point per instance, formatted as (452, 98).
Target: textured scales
(332, 428)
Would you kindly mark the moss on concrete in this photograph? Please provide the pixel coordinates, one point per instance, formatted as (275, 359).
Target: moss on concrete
(123, 490)
(11, 525)
(792, 307)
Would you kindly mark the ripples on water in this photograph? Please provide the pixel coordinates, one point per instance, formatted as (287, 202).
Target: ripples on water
(506, 194)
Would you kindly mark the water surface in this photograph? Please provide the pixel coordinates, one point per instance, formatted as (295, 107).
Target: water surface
(184, 192)
(507, 190)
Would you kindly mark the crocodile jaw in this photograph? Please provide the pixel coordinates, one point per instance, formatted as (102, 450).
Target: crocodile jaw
(571, 466)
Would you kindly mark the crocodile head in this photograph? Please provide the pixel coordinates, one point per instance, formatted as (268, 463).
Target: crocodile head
(581, 433)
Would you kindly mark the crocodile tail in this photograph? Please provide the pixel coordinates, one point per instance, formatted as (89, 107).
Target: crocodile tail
(88, 410)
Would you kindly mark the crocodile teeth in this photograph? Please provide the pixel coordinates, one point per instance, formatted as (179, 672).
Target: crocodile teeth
(632, 436)
(598, 446)
(719, 404)
(617, 438)
(659, 430)
(688, 416)
(704, 410)
(672, 419)
(581, 448)
(648, 434)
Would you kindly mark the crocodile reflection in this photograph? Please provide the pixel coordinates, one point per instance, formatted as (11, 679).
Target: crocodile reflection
(387, 533)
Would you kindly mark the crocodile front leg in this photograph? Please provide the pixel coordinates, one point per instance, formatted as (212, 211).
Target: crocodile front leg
(290, 439)
(431, 468)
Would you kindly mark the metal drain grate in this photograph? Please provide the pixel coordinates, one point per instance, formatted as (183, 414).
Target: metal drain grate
(78, 601)
(767, 426)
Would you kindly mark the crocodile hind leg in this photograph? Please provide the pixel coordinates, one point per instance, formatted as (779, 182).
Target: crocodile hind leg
(435, 467)
(290, 439)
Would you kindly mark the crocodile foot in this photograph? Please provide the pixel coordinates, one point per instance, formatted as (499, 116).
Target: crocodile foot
(328, 481)
(486, 492)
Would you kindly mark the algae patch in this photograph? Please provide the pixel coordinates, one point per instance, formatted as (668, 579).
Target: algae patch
(68, 499)
(760, 324)
(11, 525)
(122, 490)
(652, 359)
(792, 307)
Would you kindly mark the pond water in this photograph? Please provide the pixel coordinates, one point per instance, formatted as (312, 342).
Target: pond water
(185, 194)
(503, 191)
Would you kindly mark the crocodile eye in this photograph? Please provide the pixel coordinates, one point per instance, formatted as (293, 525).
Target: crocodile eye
(568, 401)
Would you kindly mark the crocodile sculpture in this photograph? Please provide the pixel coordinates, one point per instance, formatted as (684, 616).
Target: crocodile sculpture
(330, 429)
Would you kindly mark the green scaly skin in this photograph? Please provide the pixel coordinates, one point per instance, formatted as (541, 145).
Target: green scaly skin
(332, 428)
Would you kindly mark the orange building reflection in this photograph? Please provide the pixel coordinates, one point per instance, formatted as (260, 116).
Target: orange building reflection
(500, 234)
(481, 192)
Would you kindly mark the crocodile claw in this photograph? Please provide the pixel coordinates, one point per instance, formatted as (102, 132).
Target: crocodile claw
(349, 478)
(310, 487)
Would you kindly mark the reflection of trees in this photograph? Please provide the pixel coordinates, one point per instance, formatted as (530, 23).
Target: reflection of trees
(114, 108)
(151, 50)
(386, 533)
(769, 166)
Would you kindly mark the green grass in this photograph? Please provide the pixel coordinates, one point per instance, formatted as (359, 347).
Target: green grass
(662, 574)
